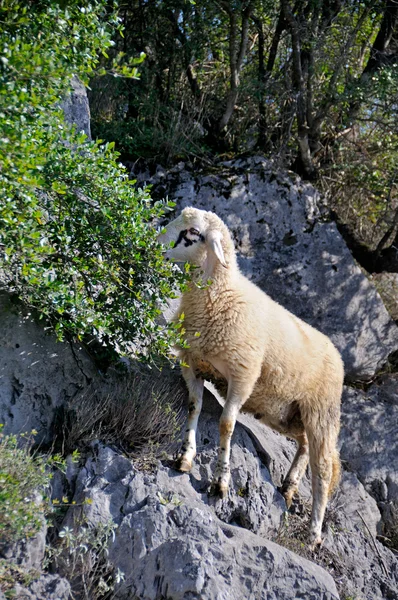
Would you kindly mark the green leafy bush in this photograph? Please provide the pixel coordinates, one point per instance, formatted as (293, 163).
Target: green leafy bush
(81, 555)
(24, 478)
(76, 237)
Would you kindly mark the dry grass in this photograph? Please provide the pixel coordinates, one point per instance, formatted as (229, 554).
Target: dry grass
(293, 535)
(140, 413)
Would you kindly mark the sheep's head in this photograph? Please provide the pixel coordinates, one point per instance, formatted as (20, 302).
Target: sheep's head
(196, 236)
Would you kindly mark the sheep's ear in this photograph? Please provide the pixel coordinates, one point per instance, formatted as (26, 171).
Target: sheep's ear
(214, 244)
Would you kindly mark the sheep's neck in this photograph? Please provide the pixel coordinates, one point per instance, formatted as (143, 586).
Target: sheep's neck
(212, 269)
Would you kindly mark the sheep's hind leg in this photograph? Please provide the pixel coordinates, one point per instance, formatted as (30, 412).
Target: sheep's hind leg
(187, 453)
(297, 470)
(321, 461)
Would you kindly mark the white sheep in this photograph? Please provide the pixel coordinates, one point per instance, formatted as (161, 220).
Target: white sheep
(267, 361)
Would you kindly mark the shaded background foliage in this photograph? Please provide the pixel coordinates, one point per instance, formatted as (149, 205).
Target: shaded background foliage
(311, 83)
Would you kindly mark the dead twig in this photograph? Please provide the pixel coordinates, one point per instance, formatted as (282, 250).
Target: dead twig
(374, 544)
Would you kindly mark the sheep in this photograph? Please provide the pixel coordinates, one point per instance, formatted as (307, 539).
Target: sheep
(267, 362)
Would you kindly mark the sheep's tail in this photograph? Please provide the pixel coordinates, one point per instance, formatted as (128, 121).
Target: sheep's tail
(336, 472)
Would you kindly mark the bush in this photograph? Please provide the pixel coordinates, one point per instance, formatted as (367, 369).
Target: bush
(77, 240)
(81, 555)
(24, 479)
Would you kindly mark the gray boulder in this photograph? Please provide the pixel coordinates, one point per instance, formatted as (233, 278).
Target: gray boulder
(171, 543)
(27, 556)
(184, 551)
(76, 107)
(173, 540)
(286, 248)
(37, 374)
(369, 442)
(46, 587)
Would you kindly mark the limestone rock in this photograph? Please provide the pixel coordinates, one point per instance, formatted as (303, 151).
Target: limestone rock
(285, 247)
(369, 440)
(28, 555)
(48, 587)
(37, 374)
(185, 552)
(173, 540)
(170, 542)
(76, 108)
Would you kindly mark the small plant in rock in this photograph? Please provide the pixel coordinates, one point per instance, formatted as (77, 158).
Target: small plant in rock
(24, 481)
(81, 555)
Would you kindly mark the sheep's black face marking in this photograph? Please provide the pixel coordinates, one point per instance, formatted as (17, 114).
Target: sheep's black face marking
(183, 236)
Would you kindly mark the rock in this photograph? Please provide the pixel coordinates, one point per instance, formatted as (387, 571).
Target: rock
(174, 541)
(300, 261)
(170, 542)
(253, 500)
(25, 561)
(387, 286)
(37, 374)
(369, 440)
(185, 552)
(47, 587)
(76, 107)
(28, 554)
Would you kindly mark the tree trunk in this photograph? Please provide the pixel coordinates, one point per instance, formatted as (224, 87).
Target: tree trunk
(264, 73)
(236, 57)
(304, 161)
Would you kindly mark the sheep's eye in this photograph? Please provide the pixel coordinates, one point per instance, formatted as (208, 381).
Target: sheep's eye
(194, 231)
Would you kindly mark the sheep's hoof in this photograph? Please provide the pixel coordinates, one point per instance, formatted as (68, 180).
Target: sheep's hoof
(315, 542)
(219, 490)
(183, 464)
(288, 493)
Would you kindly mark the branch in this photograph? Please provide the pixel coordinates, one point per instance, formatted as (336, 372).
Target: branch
(180, 35)
(236, 57)
(329, 95)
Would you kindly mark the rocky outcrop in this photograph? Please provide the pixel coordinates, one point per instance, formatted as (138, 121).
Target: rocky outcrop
(26, 558)
(369, 444)
(76, 107)
(38, 375)
(48, 587)
(173, 540)
(170, 542)
(286, 248)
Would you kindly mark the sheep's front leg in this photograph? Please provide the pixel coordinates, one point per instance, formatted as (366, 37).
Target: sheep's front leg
(237, 396)
(188, 449)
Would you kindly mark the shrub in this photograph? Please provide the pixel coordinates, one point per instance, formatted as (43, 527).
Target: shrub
(24, 479)
(76, 237)
(81, 555)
